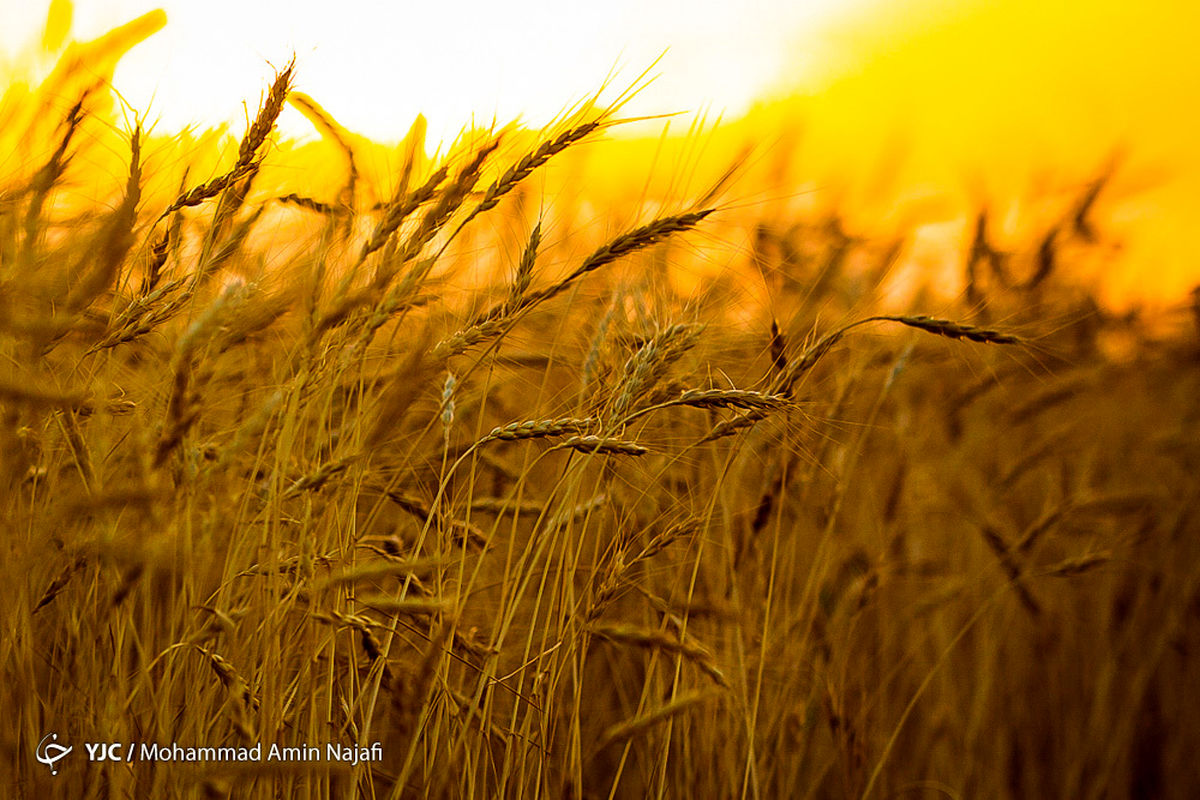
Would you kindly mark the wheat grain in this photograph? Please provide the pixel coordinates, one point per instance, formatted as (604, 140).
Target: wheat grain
(539, 429)
(605, 445)
(955, 330)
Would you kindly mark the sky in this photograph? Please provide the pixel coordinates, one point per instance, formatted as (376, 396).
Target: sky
(971, 100)
(376, 64)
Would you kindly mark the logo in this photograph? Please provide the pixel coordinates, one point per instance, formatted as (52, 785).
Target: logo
(50, 753)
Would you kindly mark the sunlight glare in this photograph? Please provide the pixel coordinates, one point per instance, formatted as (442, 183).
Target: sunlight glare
(375, 65)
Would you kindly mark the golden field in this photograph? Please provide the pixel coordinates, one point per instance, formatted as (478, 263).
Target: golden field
(560, 465)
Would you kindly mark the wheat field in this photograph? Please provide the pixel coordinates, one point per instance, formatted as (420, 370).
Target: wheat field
(517, 491)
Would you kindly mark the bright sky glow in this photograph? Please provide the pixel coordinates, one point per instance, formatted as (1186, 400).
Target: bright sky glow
(951, 101)
(375, 64)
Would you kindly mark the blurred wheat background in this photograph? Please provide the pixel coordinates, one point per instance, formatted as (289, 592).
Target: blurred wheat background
(572, 464)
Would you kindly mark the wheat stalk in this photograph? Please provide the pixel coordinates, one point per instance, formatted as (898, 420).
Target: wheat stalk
(604, 445)
(538, 429)
(623, 245)
(953, 330)
(636, 726)
(660, 640)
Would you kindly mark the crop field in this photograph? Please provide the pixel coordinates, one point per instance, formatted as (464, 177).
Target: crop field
(557, 465)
